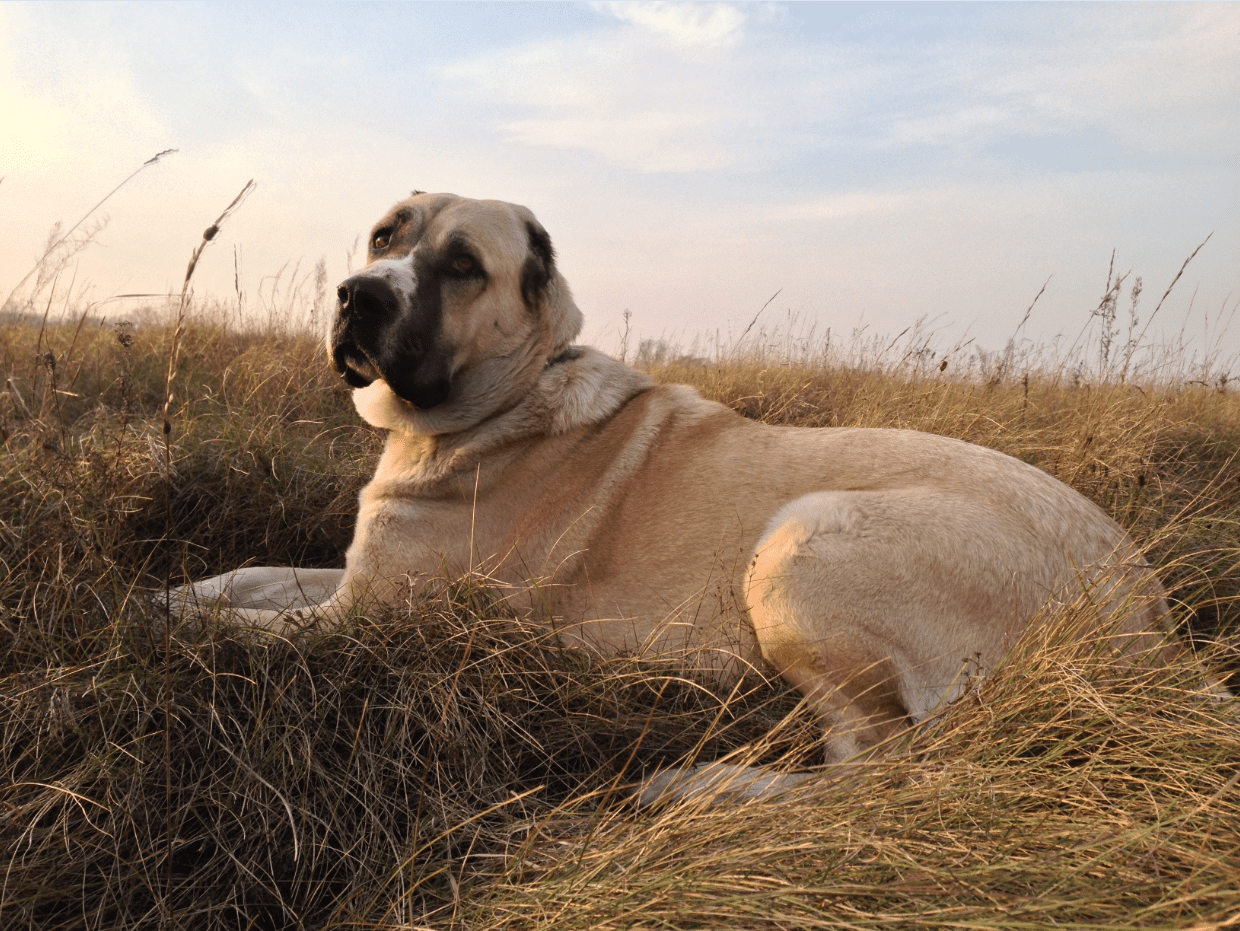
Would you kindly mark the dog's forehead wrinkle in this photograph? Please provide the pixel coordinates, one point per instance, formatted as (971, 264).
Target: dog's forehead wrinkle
(397, 216)
(458, 241)
(491, 229)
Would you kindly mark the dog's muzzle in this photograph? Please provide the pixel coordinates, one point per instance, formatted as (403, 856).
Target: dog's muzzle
(380, 333)
(365, 305)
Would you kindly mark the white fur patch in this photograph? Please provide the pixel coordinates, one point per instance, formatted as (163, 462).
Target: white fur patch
(396, 272)
(380, 407)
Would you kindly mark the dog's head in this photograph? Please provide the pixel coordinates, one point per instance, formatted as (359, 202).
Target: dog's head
(458, 310)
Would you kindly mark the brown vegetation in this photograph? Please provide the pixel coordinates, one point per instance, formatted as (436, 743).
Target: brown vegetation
(443, 765)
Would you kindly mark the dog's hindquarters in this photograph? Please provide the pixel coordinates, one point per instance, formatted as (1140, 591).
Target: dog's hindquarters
(877, 606)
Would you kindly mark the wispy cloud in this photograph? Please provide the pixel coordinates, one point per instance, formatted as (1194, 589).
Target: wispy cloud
(691, 25)
(652, 141)
(624, 98)
(683, 87)
(49, 119)
(661, 88)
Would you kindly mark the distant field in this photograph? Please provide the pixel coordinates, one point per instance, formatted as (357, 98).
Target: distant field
(445, 766)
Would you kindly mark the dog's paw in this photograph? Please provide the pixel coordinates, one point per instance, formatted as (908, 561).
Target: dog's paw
(191, 611)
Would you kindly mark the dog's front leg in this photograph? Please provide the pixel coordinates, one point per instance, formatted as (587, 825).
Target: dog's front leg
(287, 624)
(281, 600)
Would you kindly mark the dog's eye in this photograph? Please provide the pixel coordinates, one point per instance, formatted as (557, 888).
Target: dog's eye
(463, 265)
(381, 240)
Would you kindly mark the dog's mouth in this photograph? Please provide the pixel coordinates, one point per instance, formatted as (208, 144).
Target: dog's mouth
(379, 335)
(424, 388)
(354, 367)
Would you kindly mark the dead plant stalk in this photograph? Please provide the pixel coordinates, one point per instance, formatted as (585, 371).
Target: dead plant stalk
(174, 352)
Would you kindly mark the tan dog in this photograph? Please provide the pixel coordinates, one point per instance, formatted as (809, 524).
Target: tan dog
(865, 567)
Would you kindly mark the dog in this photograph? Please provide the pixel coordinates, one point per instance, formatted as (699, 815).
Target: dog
(866, 567)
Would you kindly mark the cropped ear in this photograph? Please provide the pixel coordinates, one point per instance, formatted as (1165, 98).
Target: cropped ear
(563, 318)
(544, 288)
(539, 264)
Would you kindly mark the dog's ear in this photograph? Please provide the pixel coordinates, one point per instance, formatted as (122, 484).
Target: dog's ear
(539, 264)
(543, 286)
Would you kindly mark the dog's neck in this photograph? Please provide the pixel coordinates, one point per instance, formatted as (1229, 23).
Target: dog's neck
(577, 387)
(580, 386)
(568, 355)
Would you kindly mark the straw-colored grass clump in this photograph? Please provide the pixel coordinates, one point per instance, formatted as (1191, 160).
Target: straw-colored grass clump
(443, 764)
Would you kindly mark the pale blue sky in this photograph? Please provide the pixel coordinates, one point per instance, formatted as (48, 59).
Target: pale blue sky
(880, 163)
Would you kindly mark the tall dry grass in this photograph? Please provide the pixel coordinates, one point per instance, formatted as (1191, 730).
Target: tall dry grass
(444, 765)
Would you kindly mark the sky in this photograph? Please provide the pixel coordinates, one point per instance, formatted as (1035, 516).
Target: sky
(875, 165)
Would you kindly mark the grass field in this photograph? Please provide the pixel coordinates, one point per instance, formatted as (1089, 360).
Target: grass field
(444, 765)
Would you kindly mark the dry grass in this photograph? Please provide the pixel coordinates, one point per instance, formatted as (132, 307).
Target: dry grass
(1054, 795)
(444, 765)
(365, 776)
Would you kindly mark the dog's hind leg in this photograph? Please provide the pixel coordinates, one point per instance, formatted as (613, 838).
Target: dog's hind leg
(823, 640)
(866, 604)
(824, 594)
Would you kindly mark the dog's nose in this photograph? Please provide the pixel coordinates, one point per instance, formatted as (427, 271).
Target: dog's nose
(364, 296)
